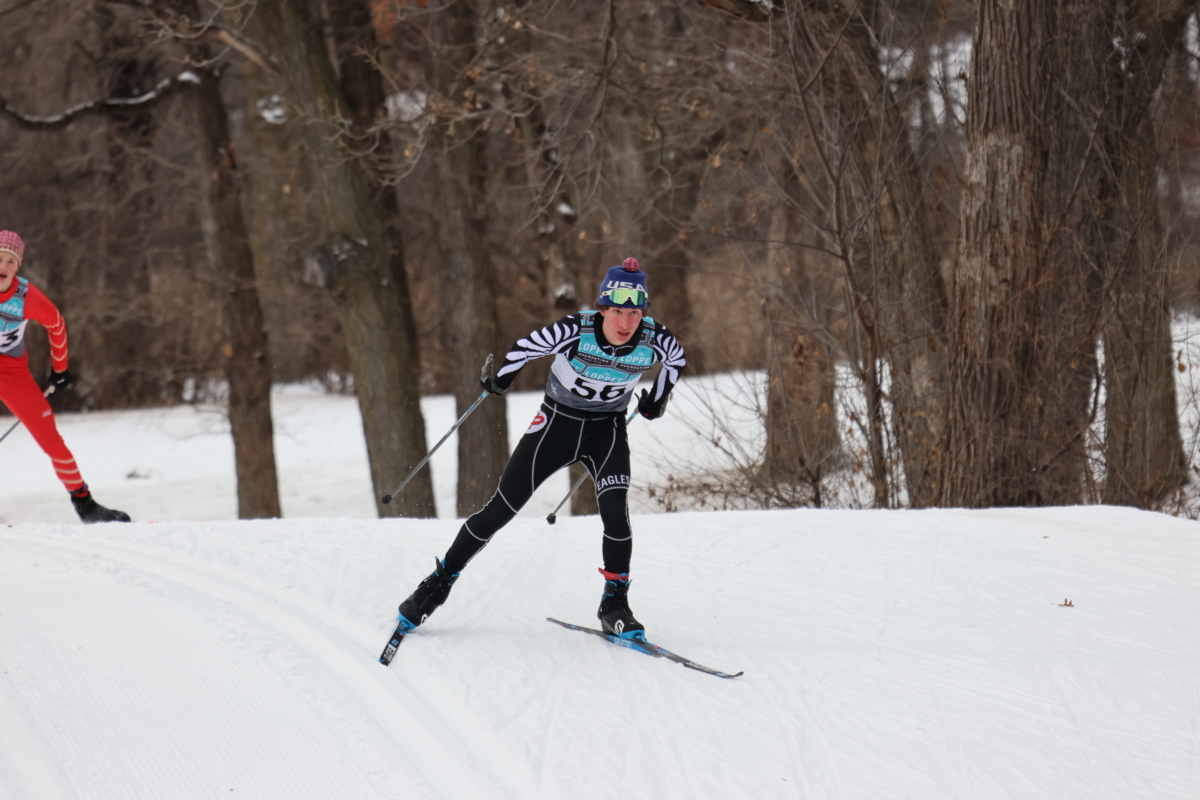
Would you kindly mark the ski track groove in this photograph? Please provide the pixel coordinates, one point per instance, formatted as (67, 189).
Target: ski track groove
(357, 679)
(667, 748)
(106, 693)
(335, 589)
(802, 788)
(820, 747)
(30, 765)
(962, 772)
(562, 674)
(35, 767)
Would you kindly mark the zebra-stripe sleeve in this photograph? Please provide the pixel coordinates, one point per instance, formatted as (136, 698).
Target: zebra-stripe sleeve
(670, 353)
(550, 340)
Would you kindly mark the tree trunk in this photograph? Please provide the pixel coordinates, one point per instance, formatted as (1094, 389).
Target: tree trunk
(555, 210)
(1143, 449)
(671, 183)
(802, 437)
(1008, 419)
(247, 362)
(1061, 239)
(556, 215)
(358, 263)
(457, 149)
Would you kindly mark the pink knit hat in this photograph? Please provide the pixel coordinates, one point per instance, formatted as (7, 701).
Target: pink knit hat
(11, 243)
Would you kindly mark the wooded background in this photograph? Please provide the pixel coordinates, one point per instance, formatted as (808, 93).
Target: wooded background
(952, 236)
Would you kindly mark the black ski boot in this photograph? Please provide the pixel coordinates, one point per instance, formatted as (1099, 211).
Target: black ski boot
(430, 594)
(90, 511)
(614, 614)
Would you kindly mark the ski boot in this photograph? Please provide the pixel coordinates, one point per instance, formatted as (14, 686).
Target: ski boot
(614, 614)
(430, 594)
(90, 511)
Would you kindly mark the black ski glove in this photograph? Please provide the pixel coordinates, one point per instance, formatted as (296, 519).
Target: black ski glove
(60, 380)
(490, 386)
(650, 409)
(488, 381)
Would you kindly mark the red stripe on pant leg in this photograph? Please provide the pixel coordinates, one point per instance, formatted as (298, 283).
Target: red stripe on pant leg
(24, 399)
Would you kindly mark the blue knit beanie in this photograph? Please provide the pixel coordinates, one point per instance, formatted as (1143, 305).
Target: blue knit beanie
(628, 275)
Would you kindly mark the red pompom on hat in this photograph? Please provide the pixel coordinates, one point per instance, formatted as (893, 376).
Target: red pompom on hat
(11, 243)
(631, 265)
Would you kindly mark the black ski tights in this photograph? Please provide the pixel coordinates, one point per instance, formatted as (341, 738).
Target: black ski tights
(559, 436)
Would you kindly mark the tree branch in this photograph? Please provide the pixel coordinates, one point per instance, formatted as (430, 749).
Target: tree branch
(752, 10)
(248, 50)
(183, 28)
(162, 91)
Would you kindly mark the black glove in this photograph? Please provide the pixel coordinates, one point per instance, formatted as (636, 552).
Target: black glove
(488, 381)
(650, 409)
(60, 380)
(490, 386)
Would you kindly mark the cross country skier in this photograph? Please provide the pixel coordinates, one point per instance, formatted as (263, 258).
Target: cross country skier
(598, 359)
(20, 302)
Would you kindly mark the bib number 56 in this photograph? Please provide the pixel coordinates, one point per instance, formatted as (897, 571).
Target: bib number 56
(588, 391)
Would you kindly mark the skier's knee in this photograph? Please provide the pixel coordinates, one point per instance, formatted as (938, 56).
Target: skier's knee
(614, 513)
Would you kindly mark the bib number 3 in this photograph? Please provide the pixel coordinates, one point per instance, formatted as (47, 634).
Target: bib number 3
(588, 390)
(9, 339)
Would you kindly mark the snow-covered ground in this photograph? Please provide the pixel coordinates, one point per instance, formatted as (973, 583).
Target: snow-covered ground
(887, 654)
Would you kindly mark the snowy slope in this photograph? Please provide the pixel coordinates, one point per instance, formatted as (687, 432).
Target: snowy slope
(887, 654)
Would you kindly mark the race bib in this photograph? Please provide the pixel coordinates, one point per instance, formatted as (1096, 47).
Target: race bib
(12, 339)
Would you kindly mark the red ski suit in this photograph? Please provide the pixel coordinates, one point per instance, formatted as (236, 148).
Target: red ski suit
(20, 303)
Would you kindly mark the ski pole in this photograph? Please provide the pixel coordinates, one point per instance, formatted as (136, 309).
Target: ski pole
(49, 391)
(487, 372)
(554, 514)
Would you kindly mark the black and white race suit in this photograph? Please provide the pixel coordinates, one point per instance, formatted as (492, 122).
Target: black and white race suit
(582, 418)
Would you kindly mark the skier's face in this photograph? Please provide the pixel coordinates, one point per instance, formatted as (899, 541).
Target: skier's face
(8, 268)
(620, 323)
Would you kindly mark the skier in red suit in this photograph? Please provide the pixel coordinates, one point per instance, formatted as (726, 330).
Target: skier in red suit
(20, 301)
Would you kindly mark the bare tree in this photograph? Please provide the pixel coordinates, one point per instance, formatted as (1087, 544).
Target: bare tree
(1060, 241)
(1004, 364)
(357, 261)
(226, 237)
(875, 219)
(457, 150)
(802, 446)
(1143, 450)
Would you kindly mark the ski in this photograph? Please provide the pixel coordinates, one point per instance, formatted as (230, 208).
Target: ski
(393, 644)
(642, 646)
